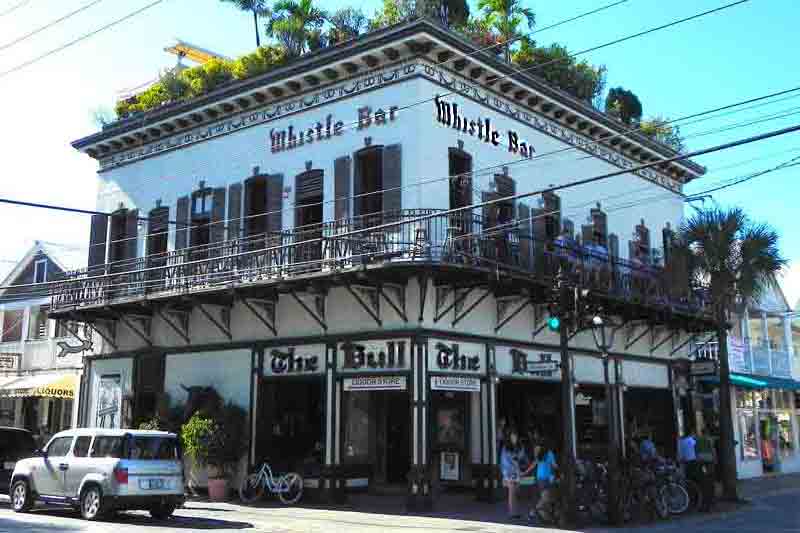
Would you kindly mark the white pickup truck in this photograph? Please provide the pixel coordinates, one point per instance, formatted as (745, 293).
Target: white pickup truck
(101, 470)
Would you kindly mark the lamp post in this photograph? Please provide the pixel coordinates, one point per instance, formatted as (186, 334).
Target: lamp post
(604, 339)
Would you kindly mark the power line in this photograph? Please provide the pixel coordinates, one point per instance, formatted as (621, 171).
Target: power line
(48, 25)
(13, 8)
(423, 218)
(79, 39)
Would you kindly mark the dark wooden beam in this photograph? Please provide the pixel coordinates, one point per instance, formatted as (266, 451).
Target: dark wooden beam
(444, 56)
(571, 119)
(491, 80)
(350, 67)
(116, 144)
(277, 92)
(311, 80)
(546, 107)
(533, 101)
(460, 64)
(519, 95)
(625, 145)
(582, 125)
(182, 123)
(141, 135)
(92, 152)
(593, 130)
(168, 126)
(370, 60)
(197, 117)
(243, 102)
(104, 148)
(558, 113)
(154, 132)
(129, 140)
(294, 85)
(260, 97)
(227, 107)
(507, 86)
(331, 74)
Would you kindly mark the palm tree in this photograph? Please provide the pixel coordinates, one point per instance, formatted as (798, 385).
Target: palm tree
(297, 24)
(738, 260)
(257, 7)
(506, 17)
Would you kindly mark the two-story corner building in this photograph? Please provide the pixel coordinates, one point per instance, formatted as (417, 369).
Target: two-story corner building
(38, 380)
(766, 412)
(290, 240)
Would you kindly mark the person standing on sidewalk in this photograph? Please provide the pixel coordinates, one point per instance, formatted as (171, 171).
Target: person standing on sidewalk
(706, 459)
(511, 460)
(687, 457)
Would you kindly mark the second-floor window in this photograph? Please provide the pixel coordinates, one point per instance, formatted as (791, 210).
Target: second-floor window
(38, 323)
(40, 271)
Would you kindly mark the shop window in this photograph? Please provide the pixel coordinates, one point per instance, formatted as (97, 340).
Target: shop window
(757, 334)
(12, 325)
(356, 431)
(775, 333)
(749, 442)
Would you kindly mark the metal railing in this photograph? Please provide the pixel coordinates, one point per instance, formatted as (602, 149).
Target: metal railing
(440, 238)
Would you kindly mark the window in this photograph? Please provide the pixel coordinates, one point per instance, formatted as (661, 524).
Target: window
(785, 436)
(201, 202)
(107, 447)
(81, 448)
(153, 448)
(38, 323)
(12, 326)
(368, 182)
(775, 333)
(59, 447)
(749, 443)
(40, 271)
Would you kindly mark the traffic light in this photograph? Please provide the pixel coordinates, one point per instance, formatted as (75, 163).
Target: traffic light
(554, 323)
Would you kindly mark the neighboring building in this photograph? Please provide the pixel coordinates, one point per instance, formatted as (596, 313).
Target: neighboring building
(248, 250)
(38, 386)
(764, 364)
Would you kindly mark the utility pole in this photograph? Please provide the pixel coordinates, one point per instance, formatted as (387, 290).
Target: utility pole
(566, 299)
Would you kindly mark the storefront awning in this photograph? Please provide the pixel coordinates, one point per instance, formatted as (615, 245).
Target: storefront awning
(44, 386)
(751, 381)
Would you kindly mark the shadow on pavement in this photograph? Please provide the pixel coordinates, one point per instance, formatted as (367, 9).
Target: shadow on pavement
(21, 526)
(140, 520)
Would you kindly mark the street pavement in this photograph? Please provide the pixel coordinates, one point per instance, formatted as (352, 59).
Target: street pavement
(769, 511)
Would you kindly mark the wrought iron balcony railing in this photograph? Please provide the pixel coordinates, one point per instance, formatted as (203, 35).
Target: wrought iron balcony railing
(415, 236)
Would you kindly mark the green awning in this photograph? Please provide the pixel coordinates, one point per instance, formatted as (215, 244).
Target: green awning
(748, 382)
(751, 381)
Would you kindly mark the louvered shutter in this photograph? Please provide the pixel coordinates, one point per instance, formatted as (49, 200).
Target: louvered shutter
(182, 223)
(341, 187)
(217, 233)
(97, 240)
(587, 234)
(489, 211)
(234, 211)
(308, 186)
(613, 245)
(358, 187)
(131, 234)
(274, 203)
(392, 181)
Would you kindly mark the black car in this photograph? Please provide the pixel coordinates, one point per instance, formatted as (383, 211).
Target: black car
(15, 444)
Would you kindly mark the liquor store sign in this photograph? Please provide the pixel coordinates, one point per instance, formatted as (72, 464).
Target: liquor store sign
(527, 364)
(374, 383)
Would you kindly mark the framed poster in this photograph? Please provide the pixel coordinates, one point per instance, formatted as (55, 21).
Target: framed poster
(449, 466)
(109, 402)
(450, 426)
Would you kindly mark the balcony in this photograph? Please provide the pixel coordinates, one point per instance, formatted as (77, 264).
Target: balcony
(450, 244)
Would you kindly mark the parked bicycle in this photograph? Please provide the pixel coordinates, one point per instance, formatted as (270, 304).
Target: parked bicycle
(641, 495)
(672, 488)
(288, 487)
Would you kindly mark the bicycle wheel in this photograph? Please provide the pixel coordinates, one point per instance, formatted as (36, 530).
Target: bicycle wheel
(291, 488)
(677, 497)
(251, 489)
(695, 494)
(659, 503)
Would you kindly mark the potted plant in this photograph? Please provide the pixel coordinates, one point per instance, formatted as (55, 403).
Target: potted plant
(227, 444)
(196, 436)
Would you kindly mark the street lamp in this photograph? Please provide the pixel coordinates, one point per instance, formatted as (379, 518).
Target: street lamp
(603, 334)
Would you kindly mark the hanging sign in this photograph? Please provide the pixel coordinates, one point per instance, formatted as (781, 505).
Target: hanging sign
(374, 356)
(456, 357)
(455, 383)
(528, 364)
(706, 367)
(294, 360)
(376, 383)
(736, 358)
(9, 361)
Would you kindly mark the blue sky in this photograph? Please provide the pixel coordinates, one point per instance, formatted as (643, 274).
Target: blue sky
(742, 52)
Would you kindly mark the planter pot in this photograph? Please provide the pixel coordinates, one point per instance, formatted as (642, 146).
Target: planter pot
(217, 490)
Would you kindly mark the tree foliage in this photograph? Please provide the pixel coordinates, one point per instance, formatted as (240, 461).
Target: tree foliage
(297, 25)
(624, 105)
(392, 12)
(346, 24)
(555, 65)
(509, 19)
(659, 129)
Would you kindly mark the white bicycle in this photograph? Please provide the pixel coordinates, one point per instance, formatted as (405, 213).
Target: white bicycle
(288, 487)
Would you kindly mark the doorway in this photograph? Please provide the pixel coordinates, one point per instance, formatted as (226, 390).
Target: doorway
(397, 439)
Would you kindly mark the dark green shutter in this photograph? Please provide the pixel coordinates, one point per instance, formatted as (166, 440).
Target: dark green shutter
(341, 191)
(131, 234)
(274, 203)
(217, 233)
(97, 240)
(392, 181)
(234, 211)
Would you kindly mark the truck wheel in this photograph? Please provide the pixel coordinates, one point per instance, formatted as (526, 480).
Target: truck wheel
(162, 512)
(91, 503)
(21, 499)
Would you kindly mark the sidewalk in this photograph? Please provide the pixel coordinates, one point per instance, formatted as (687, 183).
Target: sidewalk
(452, 511)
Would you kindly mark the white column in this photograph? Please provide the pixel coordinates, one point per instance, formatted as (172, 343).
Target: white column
(765, 326)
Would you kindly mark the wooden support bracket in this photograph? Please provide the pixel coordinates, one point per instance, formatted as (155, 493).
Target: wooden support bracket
(474, 304)
(223, 323)
(264, 311)
(318, 316)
